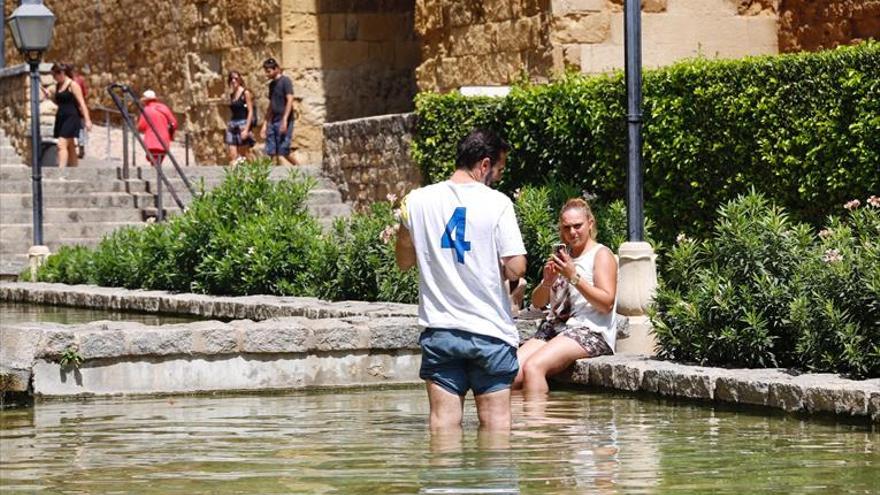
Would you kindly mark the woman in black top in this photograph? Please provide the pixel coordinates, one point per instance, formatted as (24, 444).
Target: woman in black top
(239, 131)
(69, 118)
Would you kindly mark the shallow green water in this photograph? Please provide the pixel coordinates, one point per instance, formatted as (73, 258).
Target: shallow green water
(11, 313)
(373, 442)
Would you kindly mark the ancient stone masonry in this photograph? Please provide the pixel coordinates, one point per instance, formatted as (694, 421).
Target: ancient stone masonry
(370, 157)
(496, 43)
(810, 25)
(466, 43)
(347, 58)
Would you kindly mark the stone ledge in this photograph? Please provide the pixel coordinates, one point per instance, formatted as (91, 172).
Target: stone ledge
(294, 335)
(228, 308)
(808, 393)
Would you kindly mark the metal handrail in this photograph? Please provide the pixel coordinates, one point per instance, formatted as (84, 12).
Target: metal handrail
(129, 122)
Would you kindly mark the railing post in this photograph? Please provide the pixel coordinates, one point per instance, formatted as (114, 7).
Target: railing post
(160, 212)
(125, 152)
(107, 125)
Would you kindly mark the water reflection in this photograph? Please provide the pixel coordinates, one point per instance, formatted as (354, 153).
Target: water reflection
(374, 441)
(11, 313)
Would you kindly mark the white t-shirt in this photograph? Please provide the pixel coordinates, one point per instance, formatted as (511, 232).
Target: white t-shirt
(460, 233)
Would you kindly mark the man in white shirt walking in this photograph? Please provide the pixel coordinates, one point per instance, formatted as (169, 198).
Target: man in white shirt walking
(465, 239)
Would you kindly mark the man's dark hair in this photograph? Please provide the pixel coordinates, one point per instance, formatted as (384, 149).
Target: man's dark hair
(270, 63)
(479, 144)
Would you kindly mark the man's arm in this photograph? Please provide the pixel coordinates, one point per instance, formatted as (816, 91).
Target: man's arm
(404, 249)
(288, 110)
(514, 267)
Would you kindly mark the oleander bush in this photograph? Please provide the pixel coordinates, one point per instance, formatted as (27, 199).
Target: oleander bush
(803, 129)
(360, 263)
(767, 291)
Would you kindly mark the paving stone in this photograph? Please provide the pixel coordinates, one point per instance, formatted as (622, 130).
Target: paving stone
(103, 343)
(277, 336)
(162, 341)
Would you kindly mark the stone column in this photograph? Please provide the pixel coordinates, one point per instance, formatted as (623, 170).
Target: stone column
(637, 283)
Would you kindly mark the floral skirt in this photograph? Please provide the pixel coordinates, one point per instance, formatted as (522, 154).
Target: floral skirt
(593, 342)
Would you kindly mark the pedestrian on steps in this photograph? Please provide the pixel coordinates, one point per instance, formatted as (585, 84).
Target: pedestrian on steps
(70, 116)
(159, 141)
(239, 130)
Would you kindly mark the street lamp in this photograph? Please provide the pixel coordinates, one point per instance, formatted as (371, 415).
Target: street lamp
(31, 28)
(638, 270)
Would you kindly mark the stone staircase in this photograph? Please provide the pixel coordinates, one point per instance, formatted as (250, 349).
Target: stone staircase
(82, 204)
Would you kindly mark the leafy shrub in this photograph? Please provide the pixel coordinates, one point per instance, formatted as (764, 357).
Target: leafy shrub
(250, 235)
(765, 291)
(803, 129)
(70, 265)
(360, 260)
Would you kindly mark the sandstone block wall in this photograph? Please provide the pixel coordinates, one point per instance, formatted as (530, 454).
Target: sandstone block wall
(589, 35)
(15, 107)
(810, 25)
(370, 158)
(347, 58)
(496, 43)
(473, 42)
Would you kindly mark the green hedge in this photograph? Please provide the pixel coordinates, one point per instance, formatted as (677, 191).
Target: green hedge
(766, 291)
(803, 129)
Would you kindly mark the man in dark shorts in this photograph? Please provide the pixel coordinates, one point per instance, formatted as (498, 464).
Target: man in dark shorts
(465, 239)
(277, 128)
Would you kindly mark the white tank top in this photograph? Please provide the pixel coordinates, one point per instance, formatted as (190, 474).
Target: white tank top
(583, 314)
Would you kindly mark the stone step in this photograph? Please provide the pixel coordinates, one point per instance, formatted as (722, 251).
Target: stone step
(73, 186)
(330, 210)
(86, 200)
(17, 238)
(23, 173)
(71, 215)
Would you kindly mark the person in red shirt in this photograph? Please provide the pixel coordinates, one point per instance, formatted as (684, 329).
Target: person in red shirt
(78, 78)
(158, 142)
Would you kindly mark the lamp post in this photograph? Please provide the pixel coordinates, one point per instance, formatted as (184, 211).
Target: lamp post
(31, 28)
(638, 269)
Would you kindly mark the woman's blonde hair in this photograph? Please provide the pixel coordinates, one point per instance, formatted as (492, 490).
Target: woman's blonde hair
(580, 204)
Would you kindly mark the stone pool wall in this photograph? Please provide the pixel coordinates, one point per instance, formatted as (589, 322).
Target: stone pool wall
(305, 343)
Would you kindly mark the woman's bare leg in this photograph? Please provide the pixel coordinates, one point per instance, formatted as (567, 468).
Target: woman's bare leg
(63, 152)
(233, 153)
(525, 351)
(72, 155)
(554, 357)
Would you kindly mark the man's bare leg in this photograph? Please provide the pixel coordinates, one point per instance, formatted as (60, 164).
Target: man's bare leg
(287, 160)
(447, 408)
(493, 410)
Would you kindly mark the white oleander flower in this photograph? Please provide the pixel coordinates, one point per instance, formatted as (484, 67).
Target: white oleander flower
(832, 256)
(852, 205)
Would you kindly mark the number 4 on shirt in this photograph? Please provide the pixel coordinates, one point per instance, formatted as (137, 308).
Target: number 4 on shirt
(453, 235)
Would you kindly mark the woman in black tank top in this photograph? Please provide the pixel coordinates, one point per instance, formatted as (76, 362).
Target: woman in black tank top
(72, 113)
(239, 130)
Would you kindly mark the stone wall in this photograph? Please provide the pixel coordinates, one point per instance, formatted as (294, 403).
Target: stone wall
(347, 58)
(15, 107)
(474, 42)
(810, 25)
(589, 34)
(370, 158)
(498, 42)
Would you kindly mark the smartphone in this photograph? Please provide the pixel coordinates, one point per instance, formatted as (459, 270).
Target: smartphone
(559, 247)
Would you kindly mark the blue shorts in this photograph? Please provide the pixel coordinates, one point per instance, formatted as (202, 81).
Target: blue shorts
(458, 361)
(276, 142)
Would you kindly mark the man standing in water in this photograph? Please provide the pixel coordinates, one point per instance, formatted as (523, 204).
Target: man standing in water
(465, 239)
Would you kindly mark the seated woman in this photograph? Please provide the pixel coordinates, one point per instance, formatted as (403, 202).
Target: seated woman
(580, 285)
